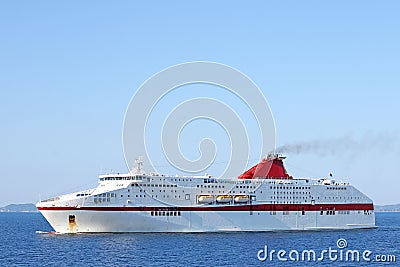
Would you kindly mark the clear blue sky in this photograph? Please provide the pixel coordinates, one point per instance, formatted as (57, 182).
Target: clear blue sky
(68, 70)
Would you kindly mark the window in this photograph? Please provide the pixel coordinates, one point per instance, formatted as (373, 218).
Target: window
(285, 211)
(71, 218)
(273, 210)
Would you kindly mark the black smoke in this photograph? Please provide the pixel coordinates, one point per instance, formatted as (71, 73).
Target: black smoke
(369, 143)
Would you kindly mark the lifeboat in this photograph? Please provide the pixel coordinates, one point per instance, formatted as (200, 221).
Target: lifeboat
(224, 199)
(241, 199)
(206, 199)
(326, 182)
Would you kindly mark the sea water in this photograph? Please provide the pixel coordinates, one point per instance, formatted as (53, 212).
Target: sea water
(25, 241)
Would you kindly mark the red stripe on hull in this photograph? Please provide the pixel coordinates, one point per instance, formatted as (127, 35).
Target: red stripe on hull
(258, 207)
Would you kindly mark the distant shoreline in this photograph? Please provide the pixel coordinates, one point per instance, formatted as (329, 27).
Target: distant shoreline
(387, 211)
(27, 207)
(24, 211)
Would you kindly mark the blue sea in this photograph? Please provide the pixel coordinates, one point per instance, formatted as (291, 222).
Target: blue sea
(22, 245)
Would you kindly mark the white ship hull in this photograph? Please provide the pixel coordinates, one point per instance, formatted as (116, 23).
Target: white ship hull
(89, 221)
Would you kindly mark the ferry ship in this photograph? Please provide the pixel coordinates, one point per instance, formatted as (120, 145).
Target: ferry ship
(264, 198)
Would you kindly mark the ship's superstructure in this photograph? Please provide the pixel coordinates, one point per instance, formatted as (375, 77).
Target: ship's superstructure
(264, 198)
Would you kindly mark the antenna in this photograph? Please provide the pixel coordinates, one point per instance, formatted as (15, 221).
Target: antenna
(139, 166)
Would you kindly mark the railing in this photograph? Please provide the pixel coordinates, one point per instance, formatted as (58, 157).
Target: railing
(51, 199)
